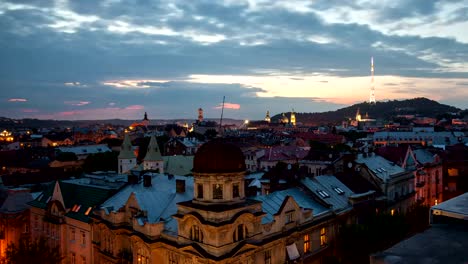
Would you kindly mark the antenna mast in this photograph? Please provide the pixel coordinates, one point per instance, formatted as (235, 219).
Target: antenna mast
(221, 119)
(372, 88)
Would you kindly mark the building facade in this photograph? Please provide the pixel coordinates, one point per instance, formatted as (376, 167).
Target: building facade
(207, 218)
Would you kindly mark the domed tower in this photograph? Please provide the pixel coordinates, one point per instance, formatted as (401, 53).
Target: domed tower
(219, 217)
(218, 171)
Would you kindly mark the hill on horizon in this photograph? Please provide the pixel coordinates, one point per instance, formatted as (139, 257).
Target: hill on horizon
(380, 110)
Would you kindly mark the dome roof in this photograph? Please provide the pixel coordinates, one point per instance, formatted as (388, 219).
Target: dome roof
(217, 156)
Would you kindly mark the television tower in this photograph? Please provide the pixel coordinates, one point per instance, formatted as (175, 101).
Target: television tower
(372, 88)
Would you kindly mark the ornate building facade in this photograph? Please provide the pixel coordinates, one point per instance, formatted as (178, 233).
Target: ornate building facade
(207, 218)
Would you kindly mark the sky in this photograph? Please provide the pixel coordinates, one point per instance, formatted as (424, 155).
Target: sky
(108, 59)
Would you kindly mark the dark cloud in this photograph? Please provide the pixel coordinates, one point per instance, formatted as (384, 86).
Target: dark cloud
(38, 56)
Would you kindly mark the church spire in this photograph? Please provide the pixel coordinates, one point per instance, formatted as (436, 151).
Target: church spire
(146, 117)
(153, 153)
(126, 151)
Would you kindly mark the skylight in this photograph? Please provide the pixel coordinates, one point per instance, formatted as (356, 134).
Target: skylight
(323, 194)
(338, 190)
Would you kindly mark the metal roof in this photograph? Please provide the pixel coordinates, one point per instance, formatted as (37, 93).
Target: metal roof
(330, 190)
(159, 200)
(271, 203)
(380, 166)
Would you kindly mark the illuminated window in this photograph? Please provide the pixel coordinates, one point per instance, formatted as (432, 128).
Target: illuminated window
(267, 256)
(306, 243)
(200, 191)
(392, 212)
(143, 256)
(217, 191)
(323, 237)
(196, 234)
(235, 190)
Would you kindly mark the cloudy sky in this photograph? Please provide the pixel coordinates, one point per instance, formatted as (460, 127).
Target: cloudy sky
(91, 59)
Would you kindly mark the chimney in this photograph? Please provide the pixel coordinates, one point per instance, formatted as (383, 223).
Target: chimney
(132, 179)
(180, 186)
(147, 180)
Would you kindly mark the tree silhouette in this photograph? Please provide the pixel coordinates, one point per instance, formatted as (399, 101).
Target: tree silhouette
(31, 251)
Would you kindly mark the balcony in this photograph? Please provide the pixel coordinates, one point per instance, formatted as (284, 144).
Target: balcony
(420, 184)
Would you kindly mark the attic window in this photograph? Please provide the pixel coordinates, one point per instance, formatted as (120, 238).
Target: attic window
(338, 190)
(383, 169)
(379, 170)
(88, 211)
(76, 208)
(323, 194)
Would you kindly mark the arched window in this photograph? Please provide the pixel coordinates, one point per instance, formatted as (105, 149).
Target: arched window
(240, 233)
(196, 234)
(142, 256)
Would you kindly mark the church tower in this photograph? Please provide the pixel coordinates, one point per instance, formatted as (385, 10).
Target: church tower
(267, 117)
(200, 115)
(153, 159)
(372, 88)
(145, 120)
(219, 218)
(127, 158)
(293, 118)
(358, 115)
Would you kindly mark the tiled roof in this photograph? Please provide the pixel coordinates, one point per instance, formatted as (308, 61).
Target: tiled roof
(284, 153)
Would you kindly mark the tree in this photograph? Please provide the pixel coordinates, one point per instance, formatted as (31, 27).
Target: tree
(210, 133)
(31, 251)
(105, 161)
(66, 156)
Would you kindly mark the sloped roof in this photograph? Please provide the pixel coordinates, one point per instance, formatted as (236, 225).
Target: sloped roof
(337, 193)
(153, 153)
(16, 201)
(423, 156)
(178, 165)
(74, 196)
(271, 203)
(86, 149)
(280, 153)
(159, 200)
(381, 167)
(126, 151)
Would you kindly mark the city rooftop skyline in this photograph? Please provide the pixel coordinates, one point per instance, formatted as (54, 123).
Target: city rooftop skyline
(117, 59)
